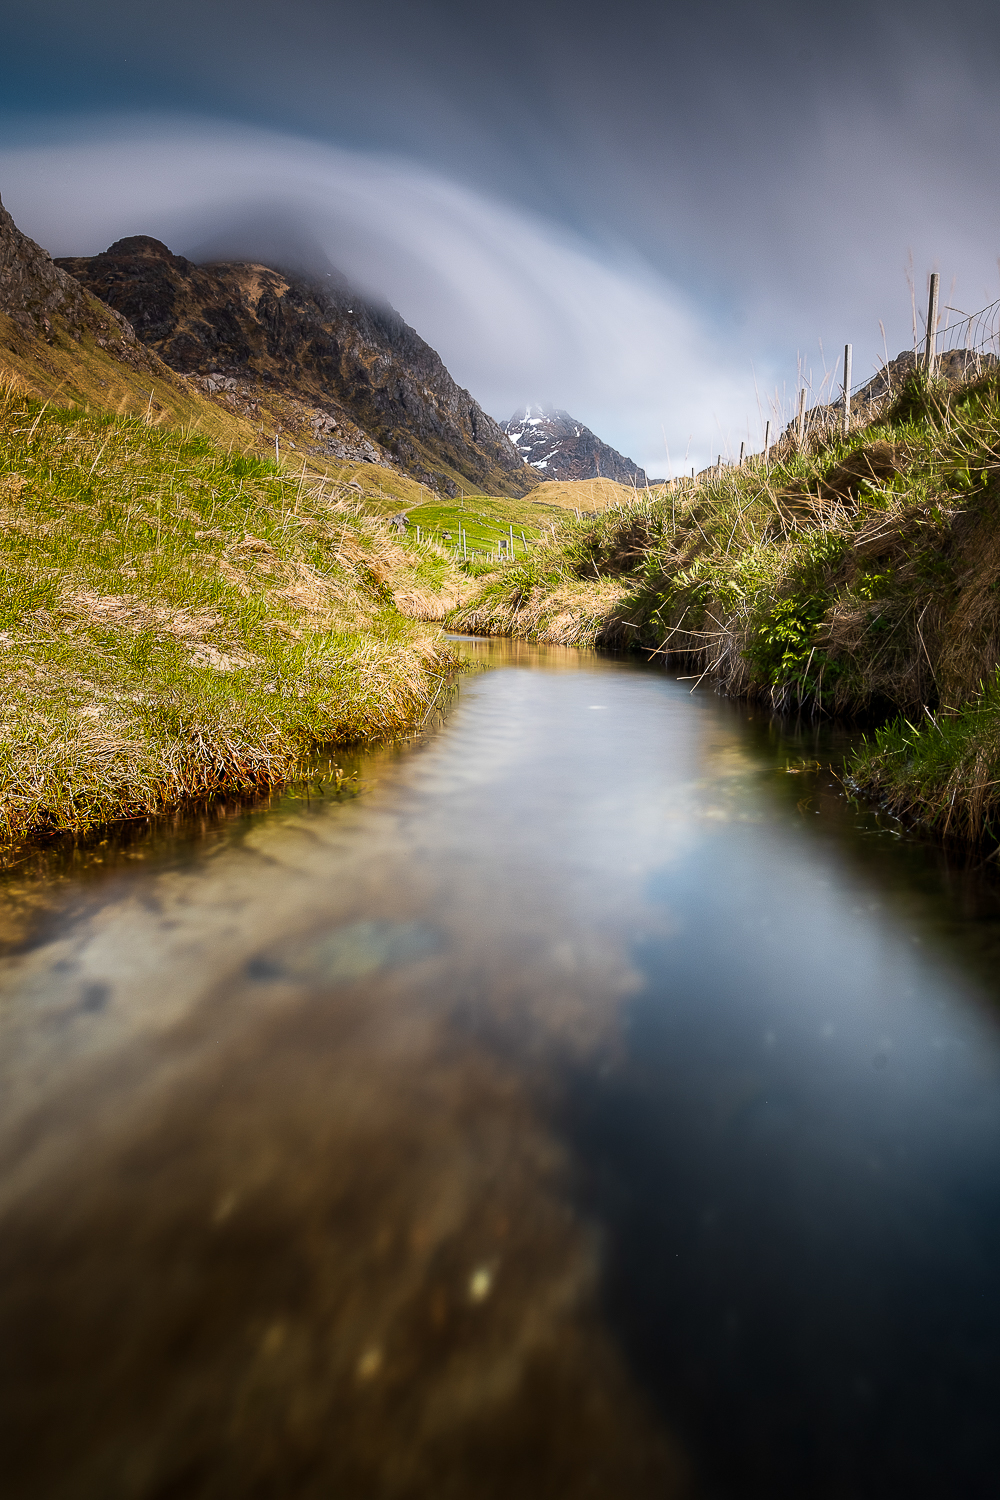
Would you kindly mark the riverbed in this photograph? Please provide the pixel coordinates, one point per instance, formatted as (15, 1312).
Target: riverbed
(587, 1099)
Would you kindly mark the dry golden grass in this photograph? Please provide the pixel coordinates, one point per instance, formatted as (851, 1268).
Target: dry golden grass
(568, 613)
(581, 494)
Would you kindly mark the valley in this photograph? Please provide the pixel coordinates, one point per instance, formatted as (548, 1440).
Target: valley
(499, 752)
(850, 575)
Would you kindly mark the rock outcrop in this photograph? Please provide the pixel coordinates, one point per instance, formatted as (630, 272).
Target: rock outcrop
(38, 300)
(557, 447)
(360, 383)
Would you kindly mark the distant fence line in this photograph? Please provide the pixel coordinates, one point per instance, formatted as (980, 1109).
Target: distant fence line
(969, 343)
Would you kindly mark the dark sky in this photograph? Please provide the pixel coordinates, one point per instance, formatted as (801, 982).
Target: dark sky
(651, 215)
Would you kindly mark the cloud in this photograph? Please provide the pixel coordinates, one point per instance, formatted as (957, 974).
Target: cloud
(625, 213)
(519, 307)
(622, 210)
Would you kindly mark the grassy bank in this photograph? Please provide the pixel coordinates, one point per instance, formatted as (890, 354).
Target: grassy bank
(856, 577)
(176, 619)
(943, 773)
(100, 366)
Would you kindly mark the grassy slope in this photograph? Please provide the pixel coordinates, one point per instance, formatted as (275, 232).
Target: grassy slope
(72, 372)
(581, 494)
(484, 521)
(860, 576)
(176, 618)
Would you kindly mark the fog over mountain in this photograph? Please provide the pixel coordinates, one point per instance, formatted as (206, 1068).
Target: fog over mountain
(650, 215)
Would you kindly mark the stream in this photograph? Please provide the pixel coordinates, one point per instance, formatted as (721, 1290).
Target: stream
(588, 1100)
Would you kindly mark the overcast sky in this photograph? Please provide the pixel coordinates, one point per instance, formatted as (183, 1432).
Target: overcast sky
(653, 216)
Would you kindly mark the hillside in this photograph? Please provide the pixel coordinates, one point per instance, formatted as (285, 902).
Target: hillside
(853, 577)
(559, 447)
(177, 619)
(583, 495)
(60, 342)
(338, 377)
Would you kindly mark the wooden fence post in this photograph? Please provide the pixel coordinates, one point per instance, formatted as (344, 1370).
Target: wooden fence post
(801, 426)
(932, 317)
(847, 388)
(742, 446)
(767, 443)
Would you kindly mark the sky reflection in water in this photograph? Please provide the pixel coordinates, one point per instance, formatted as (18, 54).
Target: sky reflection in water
(571, 1113)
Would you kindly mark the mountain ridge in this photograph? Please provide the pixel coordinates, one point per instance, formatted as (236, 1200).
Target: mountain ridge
(61, 343)
(557, 446)
(367, 385)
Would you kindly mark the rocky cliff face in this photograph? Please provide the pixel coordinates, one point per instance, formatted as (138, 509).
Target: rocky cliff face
(356, 379)
(557, 447)
(38, 300)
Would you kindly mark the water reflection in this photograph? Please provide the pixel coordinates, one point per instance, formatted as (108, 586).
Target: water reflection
(589, 1107)
(799, 1162)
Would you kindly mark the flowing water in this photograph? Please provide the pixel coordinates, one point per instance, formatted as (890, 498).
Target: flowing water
(597, 1104)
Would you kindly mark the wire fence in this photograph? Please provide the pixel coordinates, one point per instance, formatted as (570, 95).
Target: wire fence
(967, 344)
(964, 346)
(978, 332)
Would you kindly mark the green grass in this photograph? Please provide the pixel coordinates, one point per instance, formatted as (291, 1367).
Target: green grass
(484, 521)
(942, 772)
(176, 619)
(858, 577)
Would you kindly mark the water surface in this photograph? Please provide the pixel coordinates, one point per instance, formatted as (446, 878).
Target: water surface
(596, 1104)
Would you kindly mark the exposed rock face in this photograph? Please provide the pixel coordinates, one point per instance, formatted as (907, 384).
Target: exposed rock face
(44, 302)
(557, 447)
(372, 387)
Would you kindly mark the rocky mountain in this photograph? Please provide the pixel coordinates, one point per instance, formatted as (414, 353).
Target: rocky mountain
(38, 300)
(60, 343)
(558, 447)
(338, 375)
